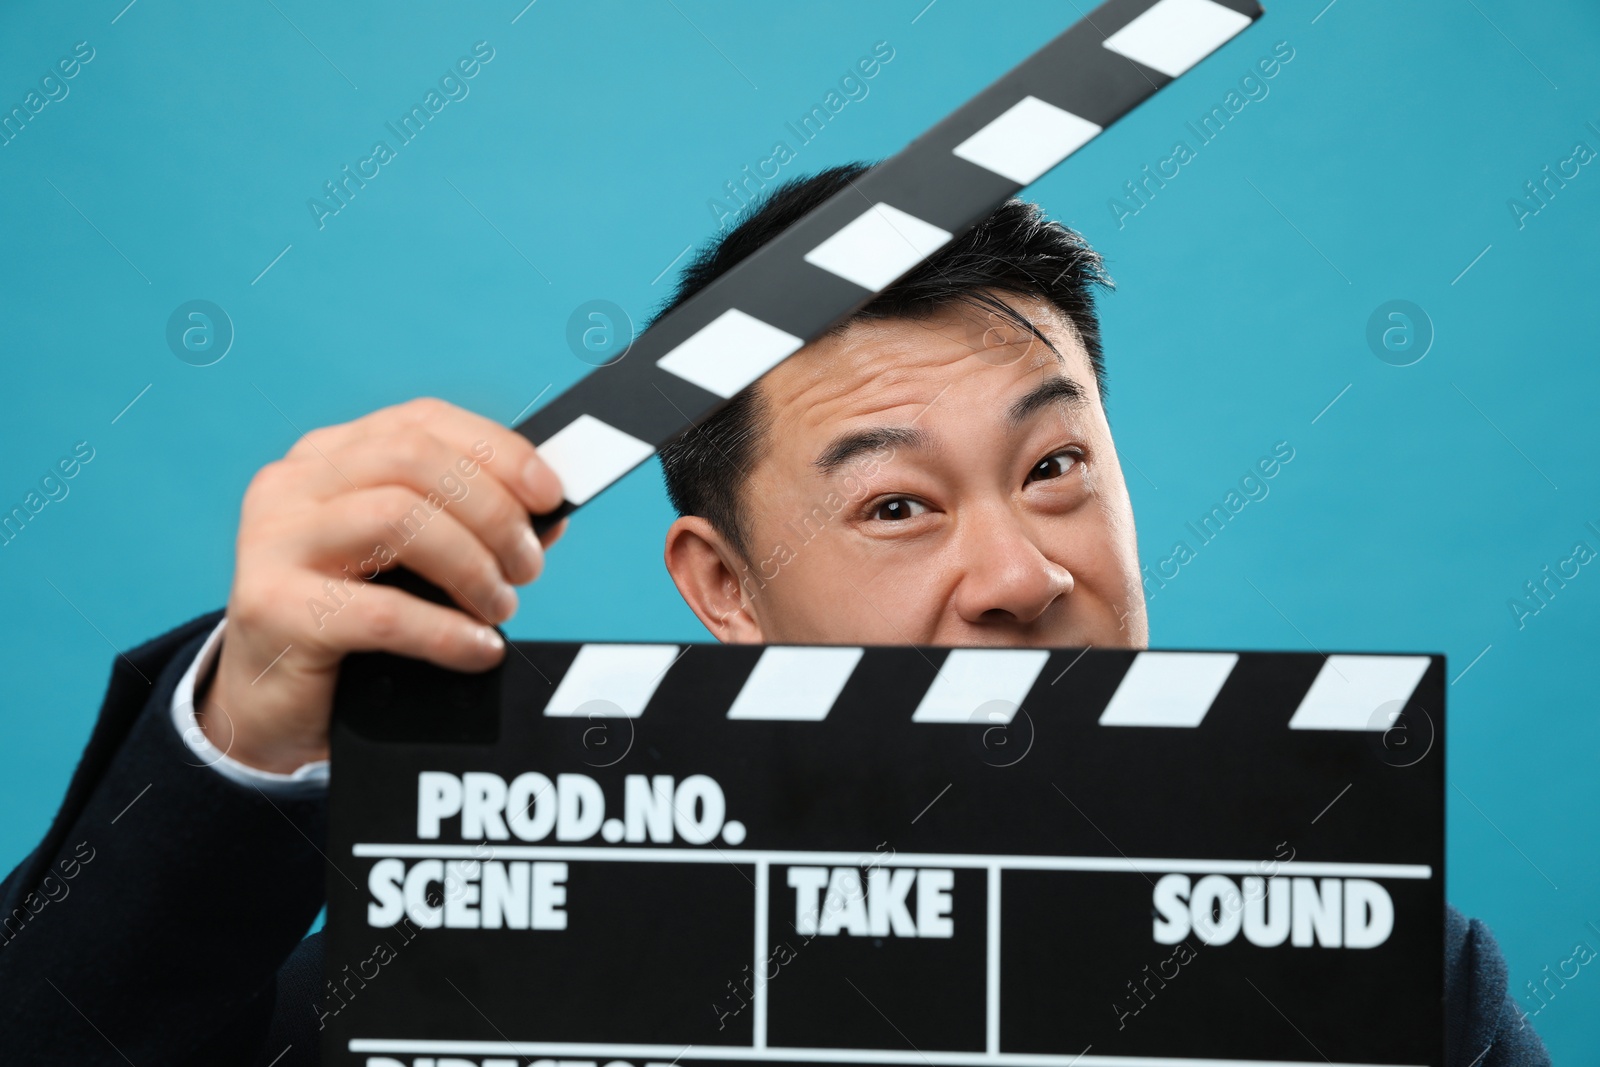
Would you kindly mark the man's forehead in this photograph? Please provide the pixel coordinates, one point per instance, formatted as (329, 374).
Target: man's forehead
(876, 364)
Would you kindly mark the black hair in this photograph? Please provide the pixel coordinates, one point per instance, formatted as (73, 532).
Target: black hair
(1015, 250)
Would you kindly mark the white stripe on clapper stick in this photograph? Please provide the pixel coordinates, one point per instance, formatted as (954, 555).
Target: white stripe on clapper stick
(878, 246)
(730, 352)
(588, 455)
(797, 684)
(623, 676)
(1168, 689)
(1027, 139)
(1174, 35)
(974, 679)
(1350, 691)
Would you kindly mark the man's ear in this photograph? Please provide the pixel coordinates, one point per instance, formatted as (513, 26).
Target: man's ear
(706, 570)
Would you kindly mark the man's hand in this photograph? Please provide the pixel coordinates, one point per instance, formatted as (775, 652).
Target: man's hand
(425, 485)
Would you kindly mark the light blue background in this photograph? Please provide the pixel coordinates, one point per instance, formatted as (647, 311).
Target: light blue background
(1378, 167)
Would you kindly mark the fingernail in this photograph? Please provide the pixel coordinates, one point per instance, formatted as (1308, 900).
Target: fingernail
(538, 476)
(504, 603)
(490, 639)
(532, 551)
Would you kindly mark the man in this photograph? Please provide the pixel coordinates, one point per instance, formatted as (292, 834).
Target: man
(939, 470)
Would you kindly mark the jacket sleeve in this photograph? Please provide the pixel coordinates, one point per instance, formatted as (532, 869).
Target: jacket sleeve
(150, 923)
(1483, 1025)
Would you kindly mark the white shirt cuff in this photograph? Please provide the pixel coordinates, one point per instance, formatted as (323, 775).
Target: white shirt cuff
(308, 780)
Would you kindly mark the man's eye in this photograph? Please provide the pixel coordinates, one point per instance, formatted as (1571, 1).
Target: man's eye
(1052, 466)
(899, 508)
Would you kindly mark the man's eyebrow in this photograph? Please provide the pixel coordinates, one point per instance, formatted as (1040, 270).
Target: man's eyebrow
(1056, 389)
(842, 449)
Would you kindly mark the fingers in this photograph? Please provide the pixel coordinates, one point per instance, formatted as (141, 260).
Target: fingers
(432, 469)
(507, 454)
(442, 491)
(552, 535)
(512, 457)
(386, 619)
(373, 530)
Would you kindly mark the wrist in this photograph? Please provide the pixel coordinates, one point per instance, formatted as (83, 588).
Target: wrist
(240, 743)
(241, 725)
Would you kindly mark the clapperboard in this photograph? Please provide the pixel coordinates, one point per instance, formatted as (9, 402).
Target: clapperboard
(706, 854)
(620, 855)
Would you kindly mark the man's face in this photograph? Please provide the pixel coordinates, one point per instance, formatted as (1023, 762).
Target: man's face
(942, 481)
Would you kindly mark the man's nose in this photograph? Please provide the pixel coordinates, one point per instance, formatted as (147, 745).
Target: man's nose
(1006, 578)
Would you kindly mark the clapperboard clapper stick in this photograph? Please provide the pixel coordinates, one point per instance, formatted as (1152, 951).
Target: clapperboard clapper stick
(837, 257)
(629, 855)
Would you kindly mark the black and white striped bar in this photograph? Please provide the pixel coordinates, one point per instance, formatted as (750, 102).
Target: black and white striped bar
(834, 260)
(983, 685)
